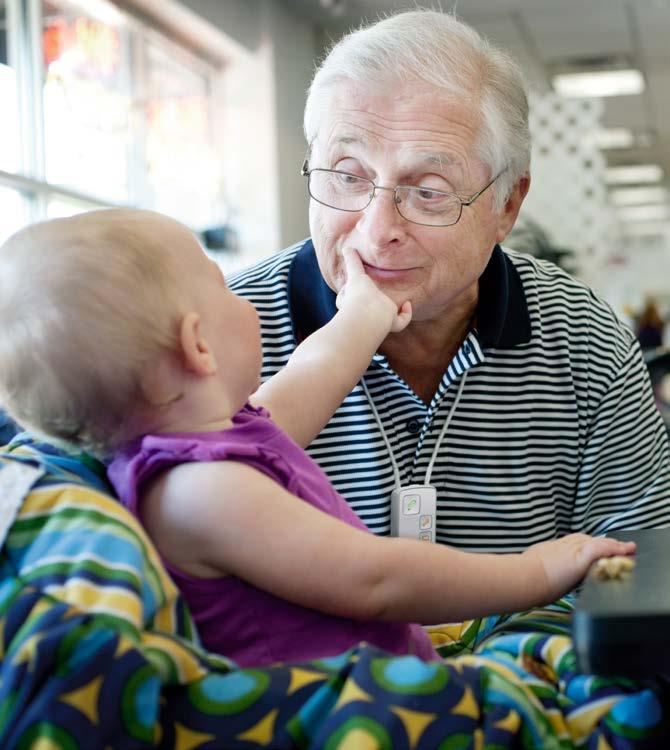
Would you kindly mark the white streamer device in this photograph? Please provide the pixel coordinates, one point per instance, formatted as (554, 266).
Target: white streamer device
(413, 510)
(414, 507)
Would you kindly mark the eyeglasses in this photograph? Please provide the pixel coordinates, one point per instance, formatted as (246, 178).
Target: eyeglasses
(420, 205)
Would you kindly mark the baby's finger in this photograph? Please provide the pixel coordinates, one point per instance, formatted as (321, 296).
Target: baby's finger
(607, 547)
(621, 548)
(352, 262)
(610, 543)
(403, 317)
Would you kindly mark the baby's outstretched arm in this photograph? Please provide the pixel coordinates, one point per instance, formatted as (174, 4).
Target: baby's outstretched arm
(239, 521)
(324, 368)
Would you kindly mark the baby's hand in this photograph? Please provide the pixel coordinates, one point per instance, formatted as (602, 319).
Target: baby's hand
(564, 562)
(362, 293)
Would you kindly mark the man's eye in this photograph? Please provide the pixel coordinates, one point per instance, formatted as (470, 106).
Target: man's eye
(347, 179)
(349, 183)
(429, 195)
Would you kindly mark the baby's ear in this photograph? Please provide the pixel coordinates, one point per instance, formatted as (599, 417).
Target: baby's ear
(197, 354)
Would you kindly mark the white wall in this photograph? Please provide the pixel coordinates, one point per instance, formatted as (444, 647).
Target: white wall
(640, 269)
(294, 52)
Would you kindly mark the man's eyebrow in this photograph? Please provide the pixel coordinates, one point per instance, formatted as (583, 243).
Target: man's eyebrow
(441, 159)
(346, 140)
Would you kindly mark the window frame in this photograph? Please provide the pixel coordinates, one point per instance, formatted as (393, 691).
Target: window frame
(25, 55)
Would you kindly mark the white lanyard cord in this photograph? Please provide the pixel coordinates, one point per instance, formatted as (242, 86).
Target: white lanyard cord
(394, 464)
(447, 422)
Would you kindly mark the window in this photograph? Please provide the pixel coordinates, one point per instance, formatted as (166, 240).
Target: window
(87, 100)
(100, 109)
(182, 178)
(9, 143)
(13, 211)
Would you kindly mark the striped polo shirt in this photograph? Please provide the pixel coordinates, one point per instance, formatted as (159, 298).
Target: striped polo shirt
(554, 431)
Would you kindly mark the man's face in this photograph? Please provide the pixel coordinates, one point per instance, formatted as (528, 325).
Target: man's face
(406, 137)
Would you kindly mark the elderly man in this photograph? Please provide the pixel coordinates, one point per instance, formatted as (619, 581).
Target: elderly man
(515, 391)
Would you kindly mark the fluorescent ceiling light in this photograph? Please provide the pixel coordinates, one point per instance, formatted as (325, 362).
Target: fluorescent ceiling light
(637, 196)
(611, 138)
(634, 173)
(599, 83)
(653, 212)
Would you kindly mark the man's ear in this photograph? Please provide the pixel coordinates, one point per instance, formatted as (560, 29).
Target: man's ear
(196, 352)
(512, 206)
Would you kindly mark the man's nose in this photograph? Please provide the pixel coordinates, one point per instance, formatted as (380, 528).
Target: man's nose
(380, 222)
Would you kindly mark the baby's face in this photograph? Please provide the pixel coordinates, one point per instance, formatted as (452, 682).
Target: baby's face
(229, 323)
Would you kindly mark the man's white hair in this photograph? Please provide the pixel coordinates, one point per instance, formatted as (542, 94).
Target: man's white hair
(86, 303)
(437, 49)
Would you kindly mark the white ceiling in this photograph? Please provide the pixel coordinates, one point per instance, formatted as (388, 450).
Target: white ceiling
(543, 34)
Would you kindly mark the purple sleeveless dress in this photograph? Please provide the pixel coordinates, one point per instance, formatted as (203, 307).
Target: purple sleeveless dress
(234, 618)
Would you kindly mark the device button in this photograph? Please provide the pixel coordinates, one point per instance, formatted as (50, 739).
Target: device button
(411, 505)
(426, 536)
(426, 522)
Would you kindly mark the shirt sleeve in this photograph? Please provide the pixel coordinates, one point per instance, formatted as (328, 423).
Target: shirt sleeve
(624, 477)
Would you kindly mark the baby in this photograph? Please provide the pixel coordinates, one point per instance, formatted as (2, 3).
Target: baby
(120, 336)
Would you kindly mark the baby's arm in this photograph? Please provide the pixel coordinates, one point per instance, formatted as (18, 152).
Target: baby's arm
(303, 396)
(227, 518)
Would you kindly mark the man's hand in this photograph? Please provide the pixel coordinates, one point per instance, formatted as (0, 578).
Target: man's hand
(363, 295)
(564, 562)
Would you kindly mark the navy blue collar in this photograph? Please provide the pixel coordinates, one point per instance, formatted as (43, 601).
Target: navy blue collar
(502, 313)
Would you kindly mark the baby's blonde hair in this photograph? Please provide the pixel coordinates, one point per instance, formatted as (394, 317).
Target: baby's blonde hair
(86, 303)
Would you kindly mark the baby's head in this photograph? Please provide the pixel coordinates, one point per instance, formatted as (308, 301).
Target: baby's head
(88, 305)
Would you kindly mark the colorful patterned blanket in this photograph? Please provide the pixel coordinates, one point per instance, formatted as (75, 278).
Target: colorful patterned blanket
(98, 651)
